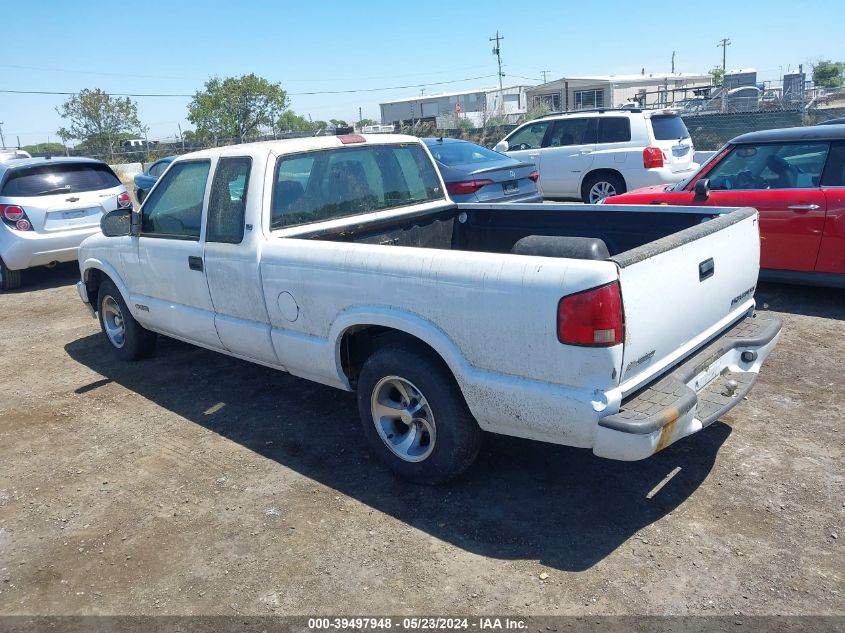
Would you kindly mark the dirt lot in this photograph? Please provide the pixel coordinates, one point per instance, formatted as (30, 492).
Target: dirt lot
(197, 484)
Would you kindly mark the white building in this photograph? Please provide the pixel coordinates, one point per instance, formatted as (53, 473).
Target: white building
(474, 105)
(613, 91)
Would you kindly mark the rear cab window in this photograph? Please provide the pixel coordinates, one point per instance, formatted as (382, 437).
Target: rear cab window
(58, 178)
(336, 183)
(668, 127)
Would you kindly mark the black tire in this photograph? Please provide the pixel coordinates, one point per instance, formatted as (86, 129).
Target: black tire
(457, 435)
(140, 195)
(137, 342)
(613, 181)
(9, 279)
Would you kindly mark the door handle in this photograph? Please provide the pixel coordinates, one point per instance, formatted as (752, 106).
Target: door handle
(803, 207)
(706, 269)
(195, 263)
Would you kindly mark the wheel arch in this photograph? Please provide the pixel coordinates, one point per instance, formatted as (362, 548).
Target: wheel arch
(598, 171)
(94, 272)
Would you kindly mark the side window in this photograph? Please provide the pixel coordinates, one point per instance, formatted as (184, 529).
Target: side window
(834, 172)
(158, 169)
(227, 201)
(581, 131)
(770, 166)
(174, 207)
(614, 129)
(529, 137)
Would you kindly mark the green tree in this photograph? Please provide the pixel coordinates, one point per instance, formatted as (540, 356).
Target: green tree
(541, 108)
(319, 125)
(718, 75)
(828, 74)
(236, 107)
(364, 122)
(338, 123)
(45, 149)
(99, 121)
(290, 120)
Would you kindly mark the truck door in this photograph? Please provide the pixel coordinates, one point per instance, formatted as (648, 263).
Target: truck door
(173, 295)
(832, 251)
(232, 255)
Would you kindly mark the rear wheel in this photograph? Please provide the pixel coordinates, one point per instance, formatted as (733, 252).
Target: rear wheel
(128, 339)
(600, 186)
(9, 279)
(415, 417)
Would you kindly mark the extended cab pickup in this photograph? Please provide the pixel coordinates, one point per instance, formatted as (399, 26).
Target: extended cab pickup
(342, 261)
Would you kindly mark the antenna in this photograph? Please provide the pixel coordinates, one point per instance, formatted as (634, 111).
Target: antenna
(497, 51)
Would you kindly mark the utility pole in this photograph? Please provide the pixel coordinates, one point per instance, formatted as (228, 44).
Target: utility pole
(2, 139)
(543, 72)
(360, 118)
(497, 51)
(673, 62)
(724, 43)
(181, 138)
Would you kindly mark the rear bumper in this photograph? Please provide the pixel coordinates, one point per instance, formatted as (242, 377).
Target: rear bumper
(692, 396)
(26, 249)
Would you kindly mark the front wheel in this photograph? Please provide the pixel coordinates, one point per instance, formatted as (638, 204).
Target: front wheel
(128, 339)
(415, 417)
(9, 279)
(600, 186)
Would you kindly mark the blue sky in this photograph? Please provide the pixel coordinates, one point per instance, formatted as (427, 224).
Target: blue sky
(173, 47)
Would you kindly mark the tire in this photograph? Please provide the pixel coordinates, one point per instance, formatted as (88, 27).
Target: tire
(9, 279)
(610, 184)
(442, 439)
(140, 195)
(127, 338)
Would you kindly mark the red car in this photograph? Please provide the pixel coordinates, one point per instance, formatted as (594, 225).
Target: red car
(795, 178)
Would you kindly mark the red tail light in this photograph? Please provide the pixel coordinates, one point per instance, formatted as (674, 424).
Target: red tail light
(466, 186)
(652, 157)
(534, 175)
(123, 200)
(12, 213)
(23, 225)
(592, 318)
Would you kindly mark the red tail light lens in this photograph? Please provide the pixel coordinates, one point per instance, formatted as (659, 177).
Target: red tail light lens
(466, 186)
(23, 225)
(123, 200)
(591, 318)
(652, 157)
(12, 213)
(534, 175)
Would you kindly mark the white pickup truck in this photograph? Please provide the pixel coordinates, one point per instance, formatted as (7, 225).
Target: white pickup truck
(342, 261)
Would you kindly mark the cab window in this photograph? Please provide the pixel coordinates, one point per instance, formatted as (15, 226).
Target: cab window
(227, 201)
(834, 171)
(174, 207)
(770, 166)
(529, 137)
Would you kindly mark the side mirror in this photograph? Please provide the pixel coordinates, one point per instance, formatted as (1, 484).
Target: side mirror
(116, 223)
(501, 146)
(701, 189)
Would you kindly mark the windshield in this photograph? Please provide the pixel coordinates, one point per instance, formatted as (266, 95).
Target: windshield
(463, 153)
(50, 179)
(668, 127)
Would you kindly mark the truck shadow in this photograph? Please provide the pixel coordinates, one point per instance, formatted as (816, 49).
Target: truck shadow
(521, 500)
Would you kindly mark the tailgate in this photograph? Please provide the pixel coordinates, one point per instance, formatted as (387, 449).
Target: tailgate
(681, 290)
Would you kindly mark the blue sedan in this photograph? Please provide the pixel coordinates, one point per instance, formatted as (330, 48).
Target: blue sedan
(145, 181)
(473, 173)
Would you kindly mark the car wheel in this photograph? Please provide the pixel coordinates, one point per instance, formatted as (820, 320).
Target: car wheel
(414, 415)
(128, 339)
(600, 186)
(9, 279)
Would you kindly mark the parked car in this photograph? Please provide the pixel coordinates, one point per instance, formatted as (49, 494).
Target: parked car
(145, 181)
(836, 121)
(592, 154)
(13, 154)
(473, 173)
(48, 206)
(795, 178)
(343, 261)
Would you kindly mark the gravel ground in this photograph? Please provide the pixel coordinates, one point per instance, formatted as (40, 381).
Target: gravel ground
(193, 483)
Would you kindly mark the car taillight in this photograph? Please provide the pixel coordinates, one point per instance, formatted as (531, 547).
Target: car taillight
(464, 187)
(591, 318)
(534, 175)
(123, 200)
(12, 213)
(652, 157)
(23, 225)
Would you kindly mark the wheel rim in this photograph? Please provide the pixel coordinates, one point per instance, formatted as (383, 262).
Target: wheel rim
(403, 419)
(113, 322)
(601, 190)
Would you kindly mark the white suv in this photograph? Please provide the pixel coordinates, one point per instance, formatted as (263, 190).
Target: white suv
(48, 206)
(593, 154)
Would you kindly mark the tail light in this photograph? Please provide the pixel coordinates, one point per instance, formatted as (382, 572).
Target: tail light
(534, 175)
(464, 187)
(591, 318)
(15, 216)
(123, 200)
(652, 157)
